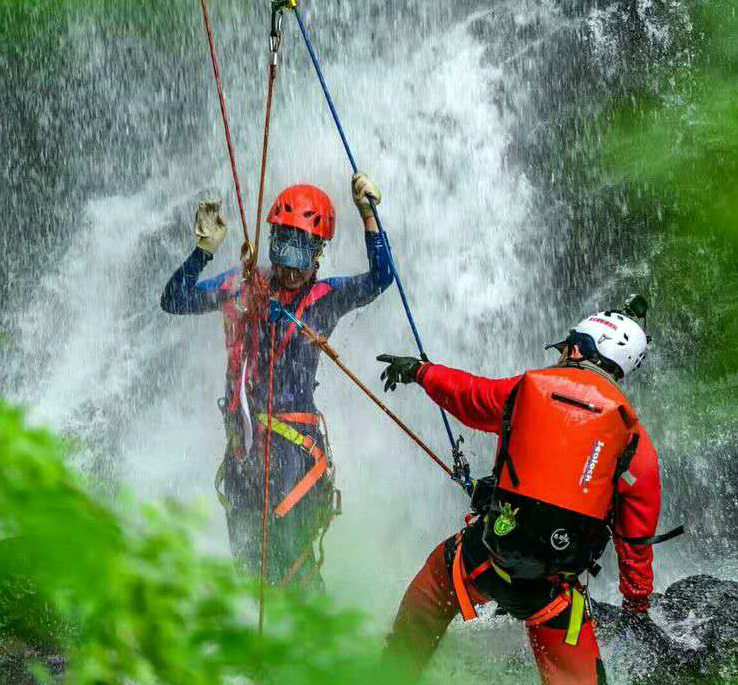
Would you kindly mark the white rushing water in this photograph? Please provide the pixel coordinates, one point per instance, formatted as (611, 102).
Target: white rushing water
(431, 118)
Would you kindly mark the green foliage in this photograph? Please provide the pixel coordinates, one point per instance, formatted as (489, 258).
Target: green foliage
(678, 156)
(127, 598)
(29, 27)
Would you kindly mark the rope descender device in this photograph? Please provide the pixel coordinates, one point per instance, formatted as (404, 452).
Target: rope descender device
(462, 470)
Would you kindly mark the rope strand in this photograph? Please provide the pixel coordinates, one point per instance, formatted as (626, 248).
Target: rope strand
(382, 233)
(267, 468)
(224, 114)
(264, 155)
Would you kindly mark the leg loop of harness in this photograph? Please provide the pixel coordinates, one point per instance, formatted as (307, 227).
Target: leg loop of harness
(319, 534)
(307, 444)
(573, 597)
(460, 579)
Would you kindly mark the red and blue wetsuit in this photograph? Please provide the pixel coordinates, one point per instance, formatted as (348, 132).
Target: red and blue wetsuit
(431, 602)
(320, 303)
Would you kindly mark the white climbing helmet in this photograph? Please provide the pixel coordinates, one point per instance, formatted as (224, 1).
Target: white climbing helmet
(617, 337)
(612, 336)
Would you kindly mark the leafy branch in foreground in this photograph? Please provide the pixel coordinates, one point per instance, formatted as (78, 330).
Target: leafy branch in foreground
(127, 598)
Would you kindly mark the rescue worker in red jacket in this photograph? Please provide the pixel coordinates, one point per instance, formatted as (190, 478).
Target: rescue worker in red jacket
(301, 485)
(574, 466)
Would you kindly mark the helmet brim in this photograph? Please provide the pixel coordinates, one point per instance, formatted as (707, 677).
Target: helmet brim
(558, 346)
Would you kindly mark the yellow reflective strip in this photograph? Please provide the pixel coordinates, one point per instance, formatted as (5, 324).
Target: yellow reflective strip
(282, 429)
(501, 573)
(577, 617)
(219, 480)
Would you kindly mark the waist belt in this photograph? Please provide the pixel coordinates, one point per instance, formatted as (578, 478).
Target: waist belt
(306, 443)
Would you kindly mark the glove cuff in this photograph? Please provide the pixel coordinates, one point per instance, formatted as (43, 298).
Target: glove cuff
(422, 370)
(635, 605)
(365, 211)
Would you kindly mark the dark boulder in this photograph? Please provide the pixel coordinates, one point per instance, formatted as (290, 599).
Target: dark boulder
(690, 636)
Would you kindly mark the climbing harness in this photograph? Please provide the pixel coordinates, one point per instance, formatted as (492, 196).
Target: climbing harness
(382, 233)
(278, 312)
(308, 445)
(267, 459)
(224, 114)
(574, 596)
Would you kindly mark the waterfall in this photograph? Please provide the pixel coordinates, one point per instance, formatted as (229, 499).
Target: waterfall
(449, 110)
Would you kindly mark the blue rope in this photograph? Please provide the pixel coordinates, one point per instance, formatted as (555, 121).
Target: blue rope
(382, 233)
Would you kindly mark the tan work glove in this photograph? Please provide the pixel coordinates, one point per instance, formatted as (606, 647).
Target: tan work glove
(364, 188)
(210, 229)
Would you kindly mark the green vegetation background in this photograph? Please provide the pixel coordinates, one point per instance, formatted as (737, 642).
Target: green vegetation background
(120, 593)
(673, 148)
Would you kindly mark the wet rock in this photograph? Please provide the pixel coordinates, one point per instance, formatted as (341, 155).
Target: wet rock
(690, 637)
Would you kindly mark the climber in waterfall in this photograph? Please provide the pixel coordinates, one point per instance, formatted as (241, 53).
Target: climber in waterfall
(574, 468)
(302, 495)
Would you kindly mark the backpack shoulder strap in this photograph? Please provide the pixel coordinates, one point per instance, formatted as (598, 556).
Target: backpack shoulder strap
(504, 458)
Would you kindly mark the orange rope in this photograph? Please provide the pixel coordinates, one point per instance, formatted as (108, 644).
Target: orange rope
(229, 143)
(264, 154)
(267, 460)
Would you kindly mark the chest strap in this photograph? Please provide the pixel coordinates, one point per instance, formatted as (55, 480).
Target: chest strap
(306, 443)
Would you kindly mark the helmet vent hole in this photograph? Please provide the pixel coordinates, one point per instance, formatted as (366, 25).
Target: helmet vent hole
(288, 208)
(316, 221)
(308, 214)
(625, 335)
(622, 344)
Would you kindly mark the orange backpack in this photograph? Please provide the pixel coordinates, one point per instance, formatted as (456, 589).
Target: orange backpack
(568, 434)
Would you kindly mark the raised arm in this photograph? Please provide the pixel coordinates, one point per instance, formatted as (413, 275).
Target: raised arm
(183, 294)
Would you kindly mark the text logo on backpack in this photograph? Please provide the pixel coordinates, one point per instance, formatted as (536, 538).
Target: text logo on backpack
(560, 539)
(591, 465)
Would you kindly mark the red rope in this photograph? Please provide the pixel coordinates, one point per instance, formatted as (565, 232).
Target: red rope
(216, 71)
(267, 460)
(264, 154)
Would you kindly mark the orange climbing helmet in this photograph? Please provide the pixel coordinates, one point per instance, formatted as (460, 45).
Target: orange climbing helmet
(306, 208)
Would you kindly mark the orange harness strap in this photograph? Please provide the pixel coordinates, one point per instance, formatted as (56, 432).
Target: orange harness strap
(304, 486)
(479, 570)
(300, 417)
(558, 606)
(306, 443)
(468, 611)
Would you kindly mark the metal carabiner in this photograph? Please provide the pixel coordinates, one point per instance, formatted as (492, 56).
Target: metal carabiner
(275, 36)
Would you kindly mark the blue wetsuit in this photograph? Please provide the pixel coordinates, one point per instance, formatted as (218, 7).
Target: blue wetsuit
(321, 304)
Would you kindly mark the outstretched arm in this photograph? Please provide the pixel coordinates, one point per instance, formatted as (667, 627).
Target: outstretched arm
(637, 516)
(352, 292)
(476, 401)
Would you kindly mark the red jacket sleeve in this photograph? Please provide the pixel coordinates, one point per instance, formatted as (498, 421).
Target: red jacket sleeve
(476, 401)
(638, 516)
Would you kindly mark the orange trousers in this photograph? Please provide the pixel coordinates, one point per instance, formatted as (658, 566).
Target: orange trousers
(430, 604)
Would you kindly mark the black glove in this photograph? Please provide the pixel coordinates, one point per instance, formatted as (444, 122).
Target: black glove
(400, 370)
